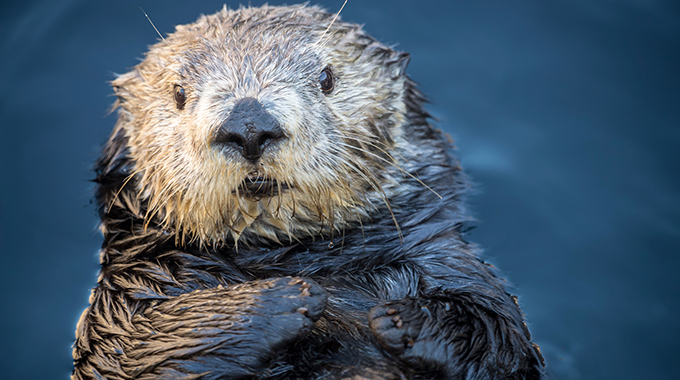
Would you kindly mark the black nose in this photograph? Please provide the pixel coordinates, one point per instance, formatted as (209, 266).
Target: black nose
(249, 129)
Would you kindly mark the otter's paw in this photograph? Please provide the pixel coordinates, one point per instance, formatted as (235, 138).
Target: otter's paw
(397, 324)
(409, 332)
(287, 308)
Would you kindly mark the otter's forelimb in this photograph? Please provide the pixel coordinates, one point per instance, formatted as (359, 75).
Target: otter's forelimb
(218, 333)
(457, 334)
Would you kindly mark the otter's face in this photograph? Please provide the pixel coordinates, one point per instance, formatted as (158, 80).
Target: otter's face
(261, 124)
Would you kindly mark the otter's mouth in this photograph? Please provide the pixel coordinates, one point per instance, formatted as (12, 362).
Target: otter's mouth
(256, 185)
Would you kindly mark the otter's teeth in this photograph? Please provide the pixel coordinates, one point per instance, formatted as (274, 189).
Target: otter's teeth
(255, 176)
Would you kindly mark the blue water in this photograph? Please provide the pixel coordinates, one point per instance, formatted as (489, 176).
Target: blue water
(565, 113)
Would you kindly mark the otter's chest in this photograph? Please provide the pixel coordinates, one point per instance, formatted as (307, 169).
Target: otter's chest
(355, 278)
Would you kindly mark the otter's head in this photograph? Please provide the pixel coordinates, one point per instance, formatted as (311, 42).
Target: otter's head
(262, 124)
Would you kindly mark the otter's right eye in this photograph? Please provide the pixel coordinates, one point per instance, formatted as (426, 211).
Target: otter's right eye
(180, 96)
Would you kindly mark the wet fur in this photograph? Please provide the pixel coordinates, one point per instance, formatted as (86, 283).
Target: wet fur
(358, 271)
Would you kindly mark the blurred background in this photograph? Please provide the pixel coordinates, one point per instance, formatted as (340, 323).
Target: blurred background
(566, 114)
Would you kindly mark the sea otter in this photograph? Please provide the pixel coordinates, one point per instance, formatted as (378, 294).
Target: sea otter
(276, 205)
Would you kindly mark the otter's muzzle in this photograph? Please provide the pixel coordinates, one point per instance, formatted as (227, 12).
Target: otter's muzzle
(249, 129)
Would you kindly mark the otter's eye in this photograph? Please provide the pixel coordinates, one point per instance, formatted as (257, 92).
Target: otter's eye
(326, 81)
(180, 96)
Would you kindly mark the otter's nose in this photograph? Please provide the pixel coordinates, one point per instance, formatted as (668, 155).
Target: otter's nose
(249, 129)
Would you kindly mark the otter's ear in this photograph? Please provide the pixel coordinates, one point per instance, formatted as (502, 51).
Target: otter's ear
(123, 84)
(397, 63)
(394, 62)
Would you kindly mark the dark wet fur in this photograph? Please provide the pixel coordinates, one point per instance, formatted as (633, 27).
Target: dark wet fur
(165, 310)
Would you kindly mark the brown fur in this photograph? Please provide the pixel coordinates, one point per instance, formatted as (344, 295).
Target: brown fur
(348, 266)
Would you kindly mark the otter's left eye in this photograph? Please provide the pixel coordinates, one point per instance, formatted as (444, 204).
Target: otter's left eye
(326, 81)
(180, 96)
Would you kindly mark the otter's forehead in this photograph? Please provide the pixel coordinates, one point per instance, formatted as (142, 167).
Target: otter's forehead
(247, 41)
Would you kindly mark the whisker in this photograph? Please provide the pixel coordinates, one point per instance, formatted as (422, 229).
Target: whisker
(332, 22)
(376, 186)
(361, 138)
(126, 182)
(394, 164)
(157, 32)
